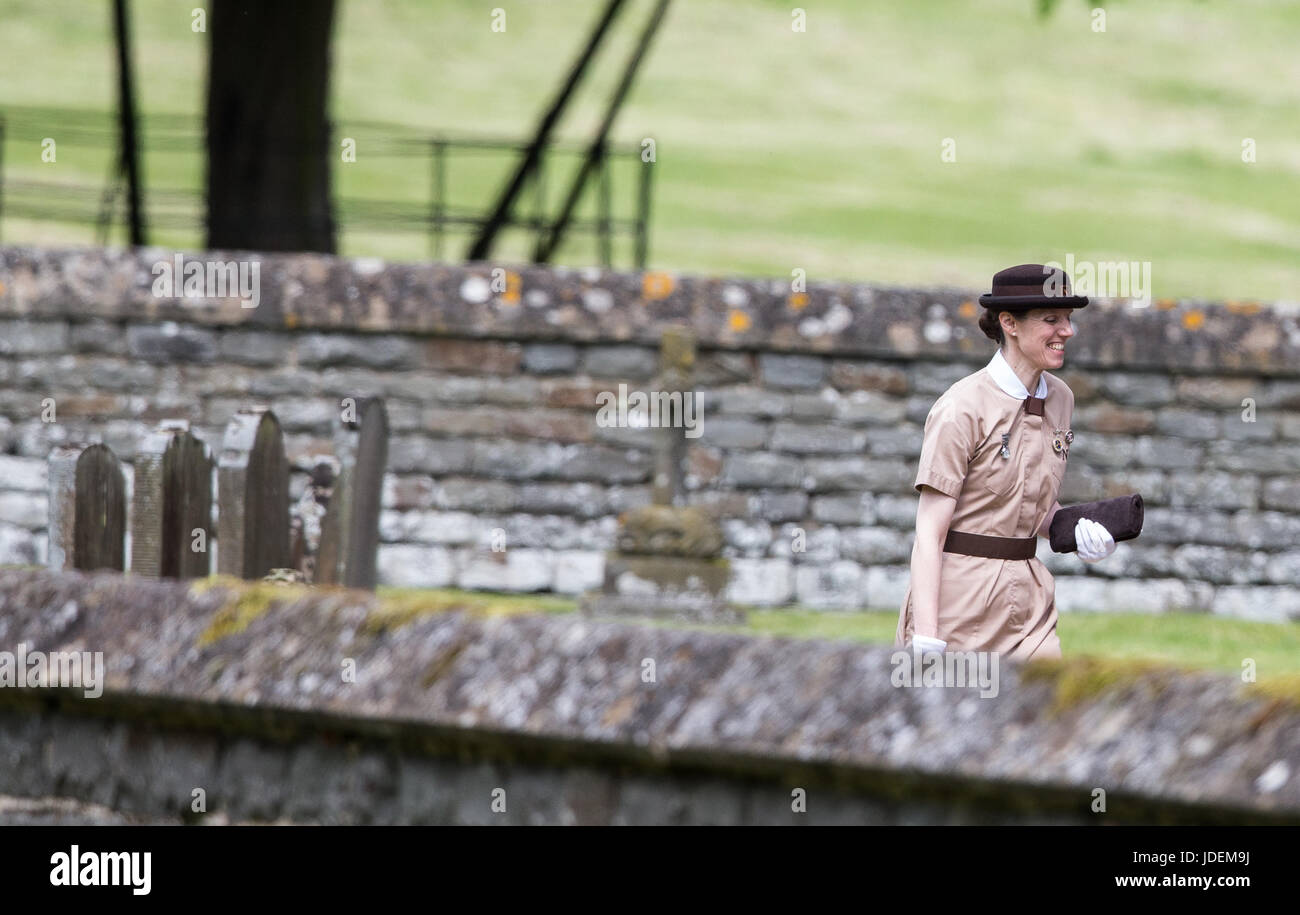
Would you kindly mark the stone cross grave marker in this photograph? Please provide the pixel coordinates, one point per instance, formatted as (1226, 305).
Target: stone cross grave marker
(667, 561)
(676, 369)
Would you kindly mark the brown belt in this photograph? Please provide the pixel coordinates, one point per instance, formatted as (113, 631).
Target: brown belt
(990, 547)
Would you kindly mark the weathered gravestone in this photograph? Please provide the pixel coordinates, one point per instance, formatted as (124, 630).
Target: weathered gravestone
(87, 518)
(308, 516)
(349, 538)
(252, 496)
(171, 507)
(668, 557)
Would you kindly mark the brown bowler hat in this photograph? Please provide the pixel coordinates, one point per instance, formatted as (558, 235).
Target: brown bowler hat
(1032, 286)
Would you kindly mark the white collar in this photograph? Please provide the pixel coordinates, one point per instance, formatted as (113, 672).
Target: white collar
(1008, 381)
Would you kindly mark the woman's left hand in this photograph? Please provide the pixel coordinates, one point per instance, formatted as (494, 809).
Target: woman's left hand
(1093, 542)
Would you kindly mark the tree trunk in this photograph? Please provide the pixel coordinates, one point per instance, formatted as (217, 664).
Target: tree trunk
(268, 181)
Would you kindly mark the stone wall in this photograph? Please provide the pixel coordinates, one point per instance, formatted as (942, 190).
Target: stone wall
(813, 409)
(243, 692)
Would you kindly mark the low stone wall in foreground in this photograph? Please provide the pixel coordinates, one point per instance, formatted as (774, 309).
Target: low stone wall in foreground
(286, 704)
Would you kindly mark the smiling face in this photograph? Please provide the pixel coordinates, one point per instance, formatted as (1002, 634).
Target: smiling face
(1041, 336)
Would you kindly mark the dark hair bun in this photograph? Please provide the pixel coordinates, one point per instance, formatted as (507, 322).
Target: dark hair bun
(990, 325)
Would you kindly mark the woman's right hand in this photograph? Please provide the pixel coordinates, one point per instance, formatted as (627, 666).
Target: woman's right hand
(927, 645)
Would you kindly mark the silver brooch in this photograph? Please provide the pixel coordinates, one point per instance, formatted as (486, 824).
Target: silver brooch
(1005, 451)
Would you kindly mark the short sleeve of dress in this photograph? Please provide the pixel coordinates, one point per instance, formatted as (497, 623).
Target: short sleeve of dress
(949, 444)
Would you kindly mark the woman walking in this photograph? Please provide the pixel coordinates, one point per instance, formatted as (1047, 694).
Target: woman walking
(991, 467)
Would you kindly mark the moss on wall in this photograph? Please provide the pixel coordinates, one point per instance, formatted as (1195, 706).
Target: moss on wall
(248, 600)
(1078, 679)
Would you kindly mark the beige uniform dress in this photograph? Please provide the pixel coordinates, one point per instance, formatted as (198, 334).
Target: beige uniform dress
(1003, 605)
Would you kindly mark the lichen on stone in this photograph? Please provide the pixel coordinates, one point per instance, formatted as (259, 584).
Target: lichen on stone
(1282, 688)
(669, 530)
(399, 607)
(250, 600)
(440, 665)
(1079, 679)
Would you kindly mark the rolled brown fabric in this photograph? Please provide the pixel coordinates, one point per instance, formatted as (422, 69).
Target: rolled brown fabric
(1122, 516)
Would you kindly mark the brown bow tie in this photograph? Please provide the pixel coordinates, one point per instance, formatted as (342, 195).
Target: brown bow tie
(1034, 406)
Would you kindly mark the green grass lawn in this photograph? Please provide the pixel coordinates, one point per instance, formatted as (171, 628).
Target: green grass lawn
(1182, 640)
(776, 149)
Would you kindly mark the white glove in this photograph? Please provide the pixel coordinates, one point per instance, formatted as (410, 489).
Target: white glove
(927, 644)
(1094, 542)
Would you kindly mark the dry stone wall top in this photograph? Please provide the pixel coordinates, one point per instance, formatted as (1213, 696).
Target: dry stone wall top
(575, 691)
(589, 305)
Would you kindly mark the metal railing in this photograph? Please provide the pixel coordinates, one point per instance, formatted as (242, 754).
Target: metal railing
(438, 216)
